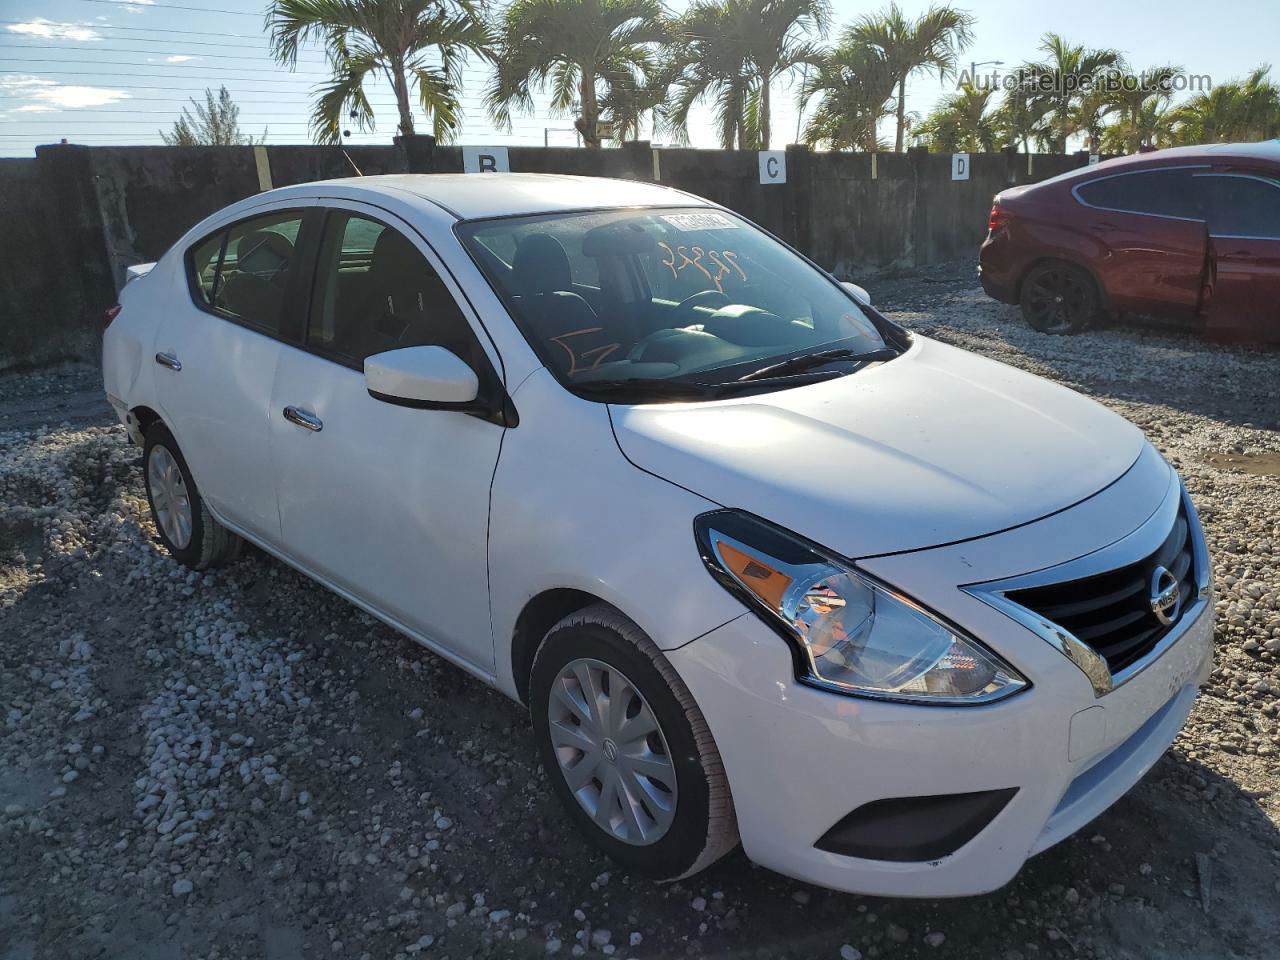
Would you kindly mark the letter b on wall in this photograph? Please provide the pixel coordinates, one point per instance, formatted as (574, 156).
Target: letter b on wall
(485, 160)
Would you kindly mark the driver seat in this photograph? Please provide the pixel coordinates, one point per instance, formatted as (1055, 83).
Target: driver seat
(561, 322)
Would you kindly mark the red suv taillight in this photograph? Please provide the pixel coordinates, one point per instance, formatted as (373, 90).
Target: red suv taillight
(999, 218)
(110, 314)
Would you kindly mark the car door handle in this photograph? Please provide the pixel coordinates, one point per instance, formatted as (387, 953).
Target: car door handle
(169, 360)
(308, 421)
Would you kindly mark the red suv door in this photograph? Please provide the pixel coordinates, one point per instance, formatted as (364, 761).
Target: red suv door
(1151, 225)
(1243, 210)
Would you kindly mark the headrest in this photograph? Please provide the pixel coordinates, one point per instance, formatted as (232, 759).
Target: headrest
(394, 255)
(263, 251)
(540, 266)
(618, 239)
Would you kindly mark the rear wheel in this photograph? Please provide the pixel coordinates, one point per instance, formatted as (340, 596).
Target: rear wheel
(184, 523)
(627, 749)
(1059, 297)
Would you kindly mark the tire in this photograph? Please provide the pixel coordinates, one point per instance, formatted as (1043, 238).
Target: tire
(701, 826)
(1059, 297)
(207, 544)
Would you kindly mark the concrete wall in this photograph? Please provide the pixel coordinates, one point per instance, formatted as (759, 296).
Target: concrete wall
(76, 217)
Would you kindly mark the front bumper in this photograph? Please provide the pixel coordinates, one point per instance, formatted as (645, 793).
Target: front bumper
(800, 759)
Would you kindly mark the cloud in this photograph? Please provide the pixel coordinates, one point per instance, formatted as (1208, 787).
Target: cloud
(137, 5)
(178, 58)
(52, 29)
(47, 95)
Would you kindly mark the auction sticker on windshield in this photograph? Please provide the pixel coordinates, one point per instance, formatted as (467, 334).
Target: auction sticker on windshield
(700, 221)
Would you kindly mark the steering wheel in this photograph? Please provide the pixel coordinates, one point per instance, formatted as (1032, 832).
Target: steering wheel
(684, 309)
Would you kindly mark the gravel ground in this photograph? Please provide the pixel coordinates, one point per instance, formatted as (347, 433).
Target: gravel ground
(241, 765)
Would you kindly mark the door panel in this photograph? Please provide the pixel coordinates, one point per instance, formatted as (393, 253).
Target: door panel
(390, 503)
(1245, 304)
(217, 364)
(1244, 221)
(1151, 223)
(1153, 264)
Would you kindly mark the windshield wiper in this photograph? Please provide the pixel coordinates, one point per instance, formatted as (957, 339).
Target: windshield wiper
(811, 360)
(647, 388)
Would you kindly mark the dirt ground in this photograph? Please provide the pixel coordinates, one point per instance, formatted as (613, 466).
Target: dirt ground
(242, 765)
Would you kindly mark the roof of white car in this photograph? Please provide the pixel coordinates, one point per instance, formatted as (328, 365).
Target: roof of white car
(470, 196)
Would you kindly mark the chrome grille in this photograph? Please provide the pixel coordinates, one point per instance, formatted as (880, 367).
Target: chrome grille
(1111, 612)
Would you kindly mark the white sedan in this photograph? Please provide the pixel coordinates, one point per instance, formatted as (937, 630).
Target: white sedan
(763, 565)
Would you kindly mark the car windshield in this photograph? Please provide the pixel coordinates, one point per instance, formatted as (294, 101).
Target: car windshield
(665, 302)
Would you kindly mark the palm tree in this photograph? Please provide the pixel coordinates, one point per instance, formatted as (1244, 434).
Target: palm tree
(710, 63)
(578, 47)
(1020, 118)
(1059, 94)
(855, 87)
(961, 122)
(732, 52)
(1140, 101)
(931, 41)
(423, 43)
(628, 100)
(777, 46)
(1236, 110)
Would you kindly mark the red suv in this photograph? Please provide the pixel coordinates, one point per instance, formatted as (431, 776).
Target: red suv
(1189, 236)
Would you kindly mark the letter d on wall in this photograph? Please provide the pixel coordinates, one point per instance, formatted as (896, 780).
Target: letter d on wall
(485, 160)
(773, 166)
(959, 166)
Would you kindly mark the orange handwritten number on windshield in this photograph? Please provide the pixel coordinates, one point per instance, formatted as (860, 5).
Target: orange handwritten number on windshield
(672, 262)
(724, 260)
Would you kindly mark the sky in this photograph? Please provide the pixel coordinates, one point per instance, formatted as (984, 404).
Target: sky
(119, 71)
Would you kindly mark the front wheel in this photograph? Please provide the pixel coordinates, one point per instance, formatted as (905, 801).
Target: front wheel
(1059, 297)
(627, 749)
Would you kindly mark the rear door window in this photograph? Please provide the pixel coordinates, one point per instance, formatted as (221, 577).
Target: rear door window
(1241, 205)
(245, 271)
(204, 266)
(1163, 193)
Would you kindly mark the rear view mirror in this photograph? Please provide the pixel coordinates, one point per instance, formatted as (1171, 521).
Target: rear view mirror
(859, 293)
(428, 377)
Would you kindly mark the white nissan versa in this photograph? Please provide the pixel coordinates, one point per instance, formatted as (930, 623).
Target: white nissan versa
(761, 563)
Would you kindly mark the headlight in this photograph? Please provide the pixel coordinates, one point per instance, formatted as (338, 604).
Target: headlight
(848, 632)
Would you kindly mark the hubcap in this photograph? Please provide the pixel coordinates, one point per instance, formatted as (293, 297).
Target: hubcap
(169, 498)
(1057, 300)
(612, 752)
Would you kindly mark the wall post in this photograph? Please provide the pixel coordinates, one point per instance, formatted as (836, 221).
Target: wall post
(799, 189)
(420, 152)
(638, 156)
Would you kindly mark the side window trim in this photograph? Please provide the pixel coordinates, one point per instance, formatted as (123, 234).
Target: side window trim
(306, 210)
(1075, 192)
(1222, 174)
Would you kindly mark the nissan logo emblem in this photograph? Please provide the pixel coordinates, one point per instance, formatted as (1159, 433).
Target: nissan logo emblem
(1166, 598)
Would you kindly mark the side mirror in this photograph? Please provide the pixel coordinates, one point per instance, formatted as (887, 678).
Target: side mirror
(859, 293)
(427, 377)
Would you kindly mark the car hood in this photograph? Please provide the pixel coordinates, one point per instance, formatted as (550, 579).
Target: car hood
(936, 446)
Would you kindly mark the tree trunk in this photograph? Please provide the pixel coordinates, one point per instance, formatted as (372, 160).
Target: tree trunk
(764, 116)
(590, 118)
(902, 114)
(401, 87)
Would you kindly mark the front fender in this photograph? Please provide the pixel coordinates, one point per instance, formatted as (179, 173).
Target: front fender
(568, 510)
